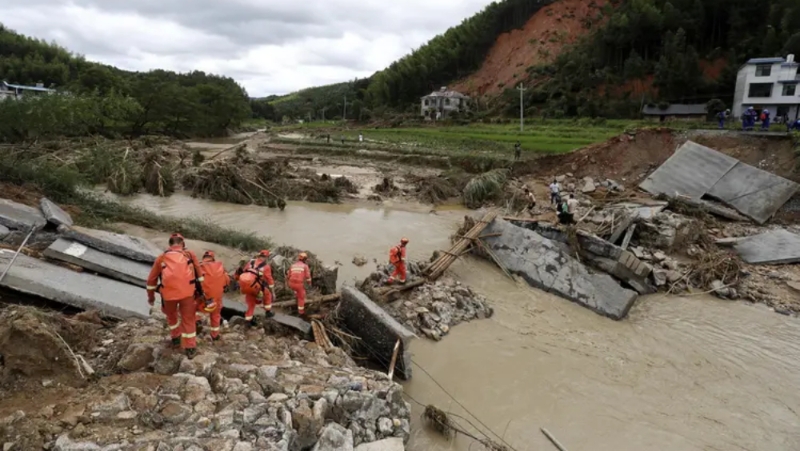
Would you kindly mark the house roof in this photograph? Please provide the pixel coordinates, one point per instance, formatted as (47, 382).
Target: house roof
(765, 60)
(27, 88)
(675, 110)
(451, 94)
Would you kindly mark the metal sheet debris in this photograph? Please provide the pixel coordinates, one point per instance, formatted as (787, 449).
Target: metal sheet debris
(770, 248)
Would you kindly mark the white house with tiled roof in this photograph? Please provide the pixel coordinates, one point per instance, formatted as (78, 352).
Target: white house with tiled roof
(438, 104)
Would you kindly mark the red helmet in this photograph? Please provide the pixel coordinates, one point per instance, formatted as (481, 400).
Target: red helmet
(404, 240)
(264, 253)
(176, 238)
(210, 255)
(302, 257)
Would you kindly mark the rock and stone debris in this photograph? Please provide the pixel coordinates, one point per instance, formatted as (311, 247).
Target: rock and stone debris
(249, 391)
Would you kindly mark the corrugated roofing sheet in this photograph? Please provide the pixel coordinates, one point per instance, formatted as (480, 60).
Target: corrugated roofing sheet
(691, 171)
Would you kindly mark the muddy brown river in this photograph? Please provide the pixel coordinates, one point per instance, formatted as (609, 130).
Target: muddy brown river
(680, 373)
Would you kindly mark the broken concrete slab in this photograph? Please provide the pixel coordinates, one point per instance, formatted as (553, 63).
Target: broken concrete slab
(83, 290)
(113, 266)
(54, 214)
(113, 243)
(377, 329)
(622, 272)
(294, 322)
(545, 265)
(4, 232)
(691, 171)
(694, 171)
(775, 247)
(20, 217)
(755, 193)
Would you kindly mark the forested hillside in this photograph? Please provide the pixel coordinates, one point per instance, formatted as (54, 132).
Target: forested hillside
(636, 51)
(159, 101)
(317, 103)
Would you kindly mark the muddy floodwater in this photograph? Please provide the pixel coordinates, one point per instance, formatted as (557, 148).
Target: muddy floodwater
(680, 373)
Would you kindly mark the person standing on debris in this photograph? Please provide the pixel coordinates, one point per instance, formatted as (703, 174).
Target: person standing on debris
(765, 120)
(517, 151)
(564, 215)
(257, 285)
(178, 277)
(555, 190)
(360, 137)
(397, 257)
(297, 276)
(572, 204)
(215, 281)
(531, 200)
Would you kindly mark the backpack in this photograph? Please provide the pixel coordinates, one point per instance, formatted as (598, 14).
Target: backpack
(177, 276)
(763, 116)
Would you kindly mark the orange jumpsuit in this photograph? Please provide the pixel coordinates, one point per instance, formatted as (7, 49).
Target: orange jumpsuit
(397, 257)
(214, 283)
(174, 274)
(298, 275)
(256, 283)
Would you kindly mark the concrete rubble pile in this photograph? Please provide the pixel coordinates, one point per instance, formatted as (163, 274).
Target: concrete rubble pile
(705, 231)
(250, 391)
(432, 308)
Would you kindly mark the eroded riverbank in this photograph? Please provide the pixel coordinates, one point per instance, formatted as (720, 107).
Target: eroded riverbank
(688, 373)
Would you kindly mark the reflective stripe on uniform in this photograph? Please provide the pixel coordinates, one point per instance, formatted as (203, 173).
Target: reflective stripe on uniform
(191, 335)
(201, 279)
(268, 307)
(174, 326)
(248, 318)
(297, 270)
(214, 329)
(152, 287)
(272, 286)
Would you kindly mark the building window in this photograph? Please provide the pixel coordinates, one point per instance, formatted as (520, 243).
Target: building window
(789, 90)
(763, 70)
(447, 102)
(760, 90)
(426, 102)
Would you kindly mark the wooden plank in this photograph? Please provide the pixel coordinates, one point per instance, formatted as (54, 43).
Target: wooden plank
(320, 300)
(628, 235)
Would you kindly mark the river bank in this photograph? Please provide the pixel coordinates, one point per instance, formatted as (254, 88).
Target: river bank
(569, 365)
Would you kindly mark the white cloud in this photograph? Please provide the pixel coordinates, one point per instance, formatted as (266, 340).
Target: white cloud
(270, 46)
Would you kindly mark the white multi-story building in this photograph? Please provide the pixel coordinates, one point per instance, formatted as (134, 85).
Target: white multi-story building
(770, 83)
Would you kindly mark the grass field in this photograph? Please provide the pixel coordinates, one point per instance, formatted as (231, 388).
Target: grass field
(541, 137)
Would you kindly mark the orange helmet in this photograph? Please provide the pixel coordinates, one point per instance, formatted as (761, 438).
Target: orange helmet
(404, 240)
(209, 254)
(176, 238)
(302, 257)
(264, 253)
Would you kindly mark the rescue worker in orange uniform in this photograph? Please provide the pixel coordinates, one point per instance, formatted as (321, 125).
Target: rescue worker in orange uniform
(215, 280)
(397, 257)
(257, 285)
(297, 276)
(178, 277)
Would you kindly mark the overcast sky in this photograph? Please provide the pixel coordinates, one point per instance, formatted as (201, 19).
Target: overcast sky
(270, 46)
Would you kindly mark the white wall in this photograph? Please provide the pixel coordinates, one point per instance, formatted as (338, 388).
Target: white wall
(747, 76)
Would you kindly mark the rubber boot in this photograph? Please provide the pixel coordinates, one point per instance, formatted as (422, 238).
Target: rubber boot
(176, 342)
(269, 314)
(253, 323)
(191, 353)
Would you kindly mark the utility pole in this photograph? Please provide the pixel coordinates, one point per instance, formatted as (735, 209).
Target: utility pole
(521, 108)
(323, 114)
(344, 113)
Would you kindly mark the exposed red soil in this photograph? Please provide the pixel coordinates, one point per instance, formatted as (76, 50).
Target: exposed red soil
(628, 158)
(712, 70)
(540, 41)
